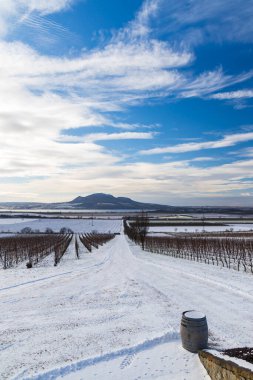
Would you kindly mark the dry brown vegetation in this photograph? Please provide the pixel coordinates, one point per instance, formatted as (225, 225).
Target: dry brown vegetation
(33, 248)
(229, 249)
(94, 240)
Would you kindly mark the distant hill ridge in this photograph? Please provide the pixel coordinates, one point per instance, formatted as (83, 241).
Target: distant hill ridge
(103, 201)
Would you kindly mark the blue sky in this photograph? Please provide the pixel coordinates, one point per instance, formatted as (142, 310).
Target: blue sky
(150, 99)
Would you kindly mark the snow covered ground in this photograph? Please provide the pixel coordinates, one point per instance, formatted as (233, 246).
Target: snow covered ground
(76, 225)
(101, 225)
(115, 314)
(235, 227)
(4, 221)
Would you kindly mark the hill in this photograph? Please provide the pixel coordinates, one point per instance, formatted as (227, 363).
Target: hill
(101, 201)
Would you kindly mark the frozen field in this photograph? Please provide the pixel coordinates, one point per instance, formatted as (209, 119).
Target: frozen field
(7, 221)
(115, 314)
(76, 225)
(235, 227)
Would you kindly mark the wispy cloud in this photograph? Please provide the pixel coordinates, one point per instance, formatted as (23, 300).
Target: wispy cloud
(202, 159)
(44, 6)
(239, 94)
(13, 11)
(120, 136)
(248, 152)
(202, 20)
(140, 27)
(92, 137)
(226, 141)
(42, 31)
(42, 96)
(179, 179)
(211, 81)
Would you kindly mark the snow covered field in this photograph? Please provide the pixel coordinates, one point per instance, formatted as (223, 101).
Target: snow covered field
(76, 225)
(4, 221)
(115, 314)
(235, 227)
(101, 226)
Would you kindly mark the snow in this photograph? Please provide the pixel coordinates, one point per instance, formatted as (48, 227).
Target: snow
(194, 314)
(102, 225)
(4, 221)
(235, 227)
(2, 235)
(76, 225)
(239, 362)
(154, 359)
(115, 314)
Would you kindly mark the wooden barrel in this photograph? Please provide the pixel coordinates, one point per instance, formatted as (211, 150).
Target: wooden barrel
(194, 330)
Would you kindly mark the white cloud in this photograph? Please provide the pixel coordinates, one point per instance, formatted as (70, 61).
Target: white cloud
(248, 152)
(133, 126)
(179, 179)
(13, 7)
(42, 96)
(45, 6)
(226, 141)
(108, 137)
(12, 11)
(239, 94)
(198, 21)
(202, 159)
(111, 66)
(211, 81)
(140, 26)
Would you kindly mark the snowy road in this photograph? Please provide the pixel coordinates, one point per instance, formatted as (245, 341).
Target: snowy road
(115, 314)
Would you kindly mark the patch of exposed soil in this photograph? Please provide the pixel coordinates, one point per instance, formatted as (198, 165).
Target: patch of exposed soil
(245, 353)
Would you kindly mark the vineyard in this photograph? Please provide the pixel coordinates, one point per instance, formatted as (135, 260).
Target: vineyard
(230, 250)
(95, 240)
(36, 247)
(115, 305)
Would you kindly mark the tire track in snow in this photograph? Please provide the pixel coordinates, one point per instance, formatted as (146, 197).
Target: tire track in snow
(204, 280)
(120, 268)
(82, 364)
(189, 290)
(34, 281)
(198, 278)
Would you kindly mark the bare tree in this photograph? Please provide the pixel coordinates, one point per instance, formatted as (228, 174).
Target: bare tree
(141, 226)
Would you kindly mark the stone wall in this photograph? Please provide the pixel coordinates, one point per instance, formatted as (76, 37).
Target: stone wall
(221, 369)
